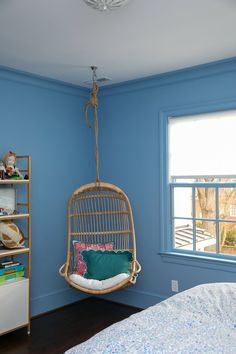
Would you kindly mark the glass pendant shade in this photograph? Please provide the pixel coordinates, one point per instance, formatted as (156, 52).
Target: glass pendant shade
(104, 5)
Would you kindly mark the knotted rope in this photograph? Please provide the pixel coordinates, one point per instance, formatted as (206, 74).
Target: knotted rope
(93, 103)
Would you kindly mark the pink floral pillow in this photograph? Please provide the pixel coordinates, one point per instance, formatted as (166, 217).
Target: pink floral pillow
(80, 266)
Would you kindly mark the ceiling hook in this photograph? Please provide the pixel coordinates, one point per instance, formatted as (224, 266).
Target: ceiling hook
(94, 69)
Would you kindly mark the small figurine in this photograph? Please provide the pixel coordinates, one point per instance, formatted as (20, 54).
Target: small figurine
(2, 170)
(12, 172)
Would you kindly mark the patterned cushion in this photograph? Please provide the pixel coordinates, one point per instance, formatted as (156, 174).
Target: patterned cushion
(79, 264)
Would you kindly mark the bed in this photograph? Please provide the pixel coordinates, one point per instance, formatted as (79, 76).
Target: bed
(199, 320)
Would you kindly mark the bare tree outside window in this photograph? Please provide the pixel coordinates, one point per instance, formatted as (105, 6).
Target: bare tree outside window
(207, 207)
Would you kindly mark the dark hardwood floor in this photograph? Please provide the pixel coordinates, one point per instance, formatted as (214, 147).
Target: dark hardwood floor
(55, 332)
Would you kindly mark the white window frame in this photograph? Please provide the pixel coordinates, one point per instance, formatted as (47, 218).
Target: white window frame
(165, 245)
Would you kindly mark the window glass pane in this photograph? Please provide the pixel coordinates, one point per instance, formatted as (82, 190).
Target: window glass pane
(205, 236)
(227, 203)
(182, 202)
(227, 232)
(205, 203)
(183, 234)
(232, 210)
(194, 147)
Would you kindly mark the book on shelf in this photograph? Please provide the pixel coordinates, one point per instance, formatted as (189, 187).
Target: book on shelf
(14, 275)
(9, 264)
(11, 270)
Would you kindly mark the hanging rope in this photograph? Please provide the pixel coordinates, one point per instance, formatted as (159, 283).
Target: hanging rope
(93, 103)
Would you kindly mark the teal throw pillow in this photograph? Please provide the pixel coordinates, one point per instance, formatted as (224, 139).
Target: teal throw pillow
(106, 264)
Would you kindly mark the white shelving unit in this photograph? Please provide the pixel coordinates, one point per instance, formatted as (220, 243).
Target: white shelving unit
(15, 293)
(14, 296)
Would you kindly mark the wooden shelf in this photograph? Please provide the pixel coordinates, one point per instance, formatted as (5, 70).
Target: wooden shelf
(14, 216)
(9, 181)
(16, 292)
(4, 252)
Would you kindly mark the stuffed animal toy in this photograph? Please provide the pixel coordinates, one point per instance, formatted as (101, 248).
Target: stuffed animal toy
(10, 163)
(10, 235)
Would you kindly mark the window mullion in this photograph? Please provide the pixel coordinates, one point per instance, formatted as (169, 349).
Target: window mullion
(172, 226)
(194, 216)
(217, 220)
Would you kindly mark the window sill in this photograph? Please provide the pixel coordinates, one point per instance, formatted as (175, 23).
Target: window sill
(199, 261)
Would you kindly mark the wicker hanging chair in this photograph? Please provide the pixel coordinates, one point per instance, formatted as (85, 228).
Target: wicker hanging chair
(100, 213)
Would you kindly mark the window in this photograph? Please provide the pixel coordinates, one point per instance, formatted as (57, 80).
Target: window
(202, 183)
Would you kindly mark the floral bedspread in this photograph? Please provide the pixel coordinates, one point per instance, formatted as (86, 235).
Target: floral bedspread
(198, 320)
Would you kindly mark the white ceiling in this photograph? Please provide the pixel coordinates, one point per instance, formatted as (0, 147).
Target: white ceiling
(60, 39)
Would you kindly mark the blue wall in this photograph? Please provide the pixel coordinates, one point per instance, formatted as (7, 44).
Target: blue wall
(45, 119)
(130, 158)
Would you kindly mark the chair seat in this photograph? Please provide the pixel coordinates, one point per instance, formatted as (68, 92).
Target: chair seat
(94, 284)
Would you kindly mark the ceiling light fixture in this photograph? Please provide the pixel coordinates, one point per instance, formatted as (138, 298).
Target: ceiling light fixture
(105, 5)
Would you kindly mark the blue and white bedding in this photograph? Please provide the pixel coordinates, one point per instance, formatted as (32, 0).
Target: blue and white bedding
(199, 320)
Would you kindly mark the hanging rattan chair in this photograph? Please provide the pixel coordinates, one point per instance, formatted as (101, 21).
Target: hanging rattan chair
(100, 213)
